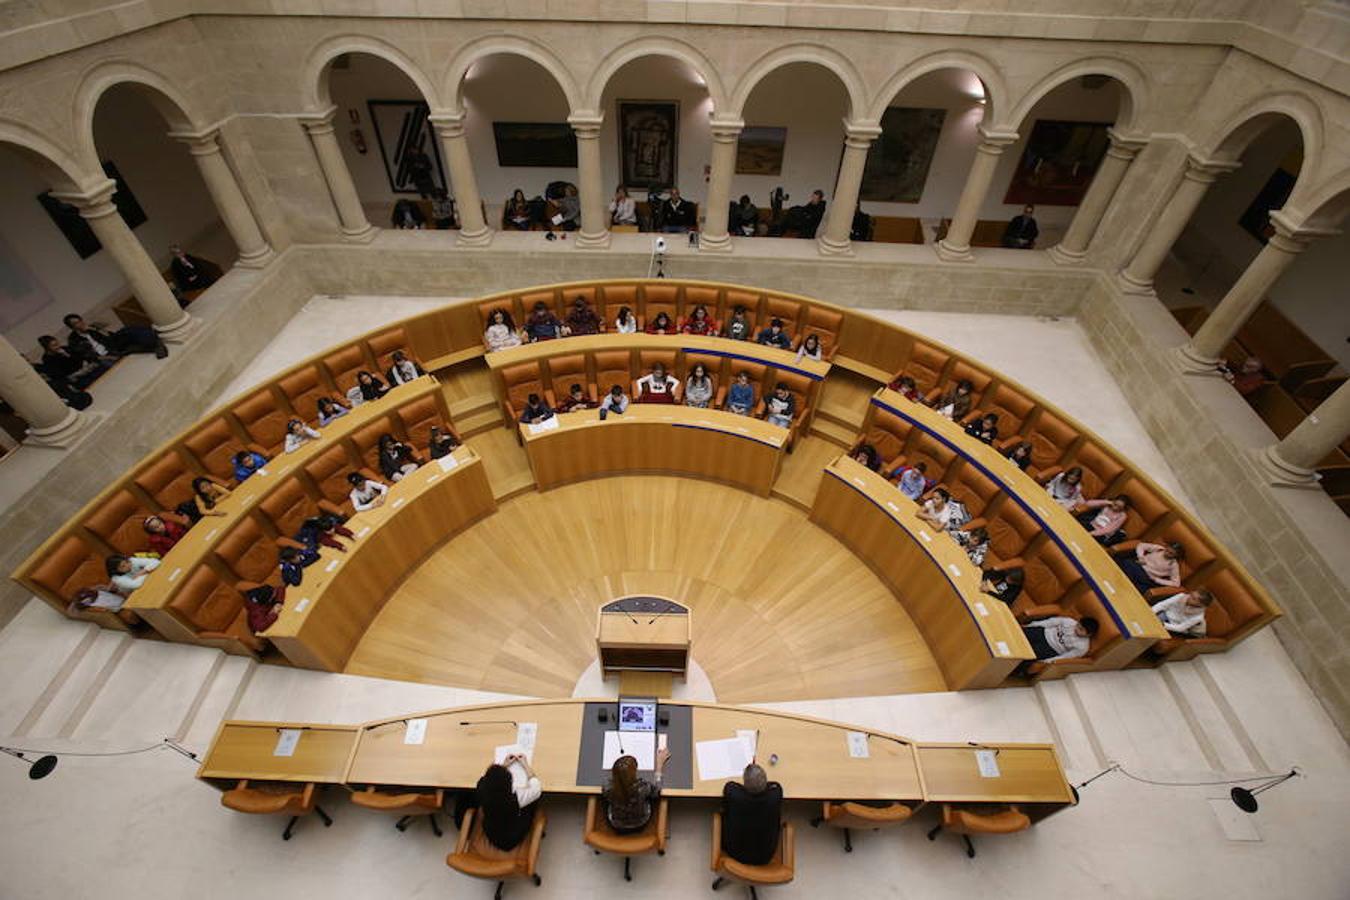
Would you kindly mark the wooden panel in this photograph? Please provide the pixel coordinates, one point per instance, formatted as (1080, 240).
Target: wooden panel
(1028, 773)
(245, 750)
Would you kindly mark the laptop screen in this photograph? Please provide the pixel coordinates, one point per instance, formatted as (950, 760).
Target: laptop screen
(637, 714)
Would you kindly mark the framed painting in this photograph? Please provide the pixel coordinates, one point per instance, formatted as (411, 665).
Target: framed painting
(537, 144)
(898, 162)
(760, 150)
(1058, 163)
(408, 146)
(73, 226)
(649, 132)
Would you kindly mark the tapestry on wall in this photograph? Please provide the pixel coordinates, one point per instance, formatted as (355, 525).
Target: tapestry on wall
(1058, 163)
(408, 146)
(897, 163)
(760, 150)
(535, 144)
(649, 132)
(76, 229)
(1256, 219)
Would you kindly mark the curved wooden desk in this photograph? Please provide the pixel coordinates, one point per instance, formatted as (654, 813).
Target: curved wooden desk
(657, 439)
(813, 756)
(974, 637)
(326, 616)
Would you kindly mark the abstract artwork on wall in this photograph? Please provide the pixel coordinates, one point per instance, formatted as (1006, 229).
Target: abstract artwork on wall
(649, 132)
(1058, 163)
(536, 144)
(403, 132)
(73, 225)
(760, 150)
(897, 164)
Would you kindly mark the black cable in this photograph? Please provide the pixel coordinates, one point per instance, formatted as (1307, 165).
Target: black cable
(159, 746)
(1195, 783)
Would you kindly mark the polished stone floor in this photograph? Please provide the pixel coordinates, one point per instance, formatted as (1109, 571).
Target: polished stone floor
(140, 826)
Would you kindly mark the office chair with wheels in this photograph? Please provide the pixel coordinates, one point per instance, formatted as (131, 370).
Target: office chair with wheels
(602, 838)
(780, 870)
(412, 805)
(271, 798)
(476, 856)
(984, 819)
(859, 815)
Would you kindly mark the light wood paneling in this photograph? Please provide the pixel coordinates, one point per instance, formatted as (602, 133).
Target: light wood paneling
(781, 609)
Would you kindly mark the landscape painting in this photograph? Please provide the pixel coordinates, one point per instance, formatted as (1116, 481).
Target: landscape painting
(897, 164)
(536, 144)
(760, 150)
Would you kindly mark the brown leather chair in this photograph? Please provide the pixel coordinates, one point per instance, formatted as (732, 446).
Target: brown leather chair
(780, 870)
(476, 856)
(848, 816)
(264, 420)
(984, 819)
(272, 798)
(601, 837)
(925, 365)
(411, 804)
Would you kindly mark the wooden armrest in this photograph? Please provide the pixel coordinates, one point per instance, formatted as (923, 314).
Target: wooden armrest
(716, 839)
(536, 835)
(592, 814)
(465, 831)
(662, 823)
(789, 845)
(289, 542)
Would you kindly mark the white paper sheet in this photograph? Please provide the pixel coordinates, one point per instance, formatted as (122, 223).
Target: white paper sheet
(447, 463)
(286, 742)
(416, 732)
(547, 425)
(857, 745)
(639, 744)
(987, 760)
(721, 759)
(750, 738)
(526, 732)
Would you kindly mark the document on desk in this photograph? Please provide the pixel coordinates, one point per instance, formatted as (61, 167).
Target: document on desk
(987, 760)
(286, 740)
(549, 424)
(750, 738)
(447, 463)
(857, 745)
(721, 759)
(526, 732)
(415, 732)
(639, 744)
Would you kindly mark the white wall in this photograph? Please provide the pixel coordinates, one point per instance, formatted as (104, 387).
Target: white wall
(41, 276)
(1312, 291)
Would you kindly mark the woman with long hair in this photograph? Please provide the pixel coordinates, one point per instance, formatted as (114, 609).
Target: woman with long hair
(518, 211)
(372, 388)
(630, 800)
(625, 322)
(507, 795)
(698, 387)
(329, 410)
(501, 331)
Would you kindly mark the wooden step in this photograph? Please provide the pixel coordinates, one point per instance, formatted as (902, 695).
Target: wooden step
(513, 485)
(802, 471)
(466, 405)
(847, 416)
(843, 436)
(479, 421)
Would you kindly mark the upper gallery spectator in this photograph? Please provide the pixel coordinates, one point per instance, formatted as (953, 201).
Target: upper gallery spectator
(622, 209)
(95, 343)
(190, 273)
(1022, 231)
(679, 215)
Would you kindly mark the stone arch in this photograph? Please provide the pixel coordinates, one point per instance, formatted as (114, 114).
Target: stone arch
(1329, 203)
(1230, 141)
(996, 92)
(453, 82)
(61, 171)
(315, 80)
(656, 46)
(1133, 97)
(167, 99)
(819, 55)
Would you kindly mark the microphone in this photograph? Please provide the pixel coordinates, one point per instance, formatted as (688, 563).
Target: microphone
(629, 613)
(493, 722)
(994, 750)
(280, 728)
(403, 722)
(887, 737)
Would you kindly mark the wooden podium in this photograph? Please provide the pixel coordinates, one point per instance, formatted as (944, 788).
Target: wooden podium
(644, 639)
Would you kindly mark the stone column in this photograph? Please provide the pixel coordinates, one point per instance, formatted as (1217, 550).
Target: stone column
(594, 219)
(1137, 277)
(254, 251)
(50, 422)
(714, 238)
(351, 217)
(838, 224)
(147, 283)
(1072, 248)
(473, 230)
(1293, 460)
(1247, 293)
(955, 246)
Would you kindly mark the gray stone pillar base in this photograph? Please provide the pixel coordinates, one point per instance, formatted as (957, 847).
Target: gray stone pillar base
(258, 259)
(75, 427)
(360, 235)
(828, 247)
(1283, 474)
(1063, 257)
(598, 241)
(480, 238)
(718, 244)
(947, 252)
(179, 331)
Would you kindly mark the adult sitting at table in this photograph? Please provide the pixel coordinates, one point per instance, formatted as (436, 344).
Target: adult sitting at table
(678, 216)
(1151, 566)
(507, 795)
(246, 462)
(162, 533)
(661, 324)
(751, 817)
(629, 800)
(780, 406)
(699, 322)
(206, 493)
(741, 395)
(581, 319)
(698, 387)
(403, 369)
(616, 401)
(657, 386)
(371, 388)
(442, 443)
(366, 493)
(1104, 519)
(773, 335)
(542, 325)
(500, 333)
(1060, 637)
(1183, 614)
(535, 411)
(396, 458)
(576, 399)
(190, 273)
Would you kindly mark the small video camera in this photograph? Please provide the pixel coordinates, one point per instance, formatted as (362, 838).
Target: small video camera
(660, 245)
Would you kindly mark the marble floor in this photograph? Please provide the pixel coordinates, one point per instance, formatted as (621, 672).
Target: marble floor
(140, 826)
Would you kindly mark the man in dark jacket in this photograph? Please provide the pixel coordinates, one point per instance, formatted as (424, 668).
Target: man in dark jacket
(189, 272)
(96, 344)
(751, 817)
(1022, 231)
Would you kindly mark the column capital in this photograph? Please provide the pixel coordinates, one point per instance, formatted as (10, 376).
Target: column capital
(93, 203)
(447, 124)
(862, 130)
(1125, 146)
(726, 131)
(318, 121)
(586, 124)
(993, 141)
(1293, 237)
(1207, 170)
(205, 142)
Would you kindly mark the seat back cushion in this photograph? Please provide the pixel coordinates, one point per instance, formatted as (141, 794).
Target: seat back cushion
(826, 323)
(417, 418)
(206, 603)
(615, 298)
(214, 446)
(263, 419)
(887, 433)
(565, 371)
(925, 365)
(119, 521)
(167, 480)
(937, 456)
(1012, 407)
(303, 390)
(979, 381)
(71, 566)
(1050, 440)
(789, 311)
(329, 473)
(520, 382)
(1011, 530)
(1233, 606)
(659, 298)
(1100, 469)
(386, 342)
(972, 488)
(287, 507)
(1146, 507)
(247, 551)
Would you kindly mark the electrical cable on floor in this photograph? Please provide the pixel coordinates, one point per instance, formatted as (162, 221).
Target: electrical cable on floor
(167, 743)
(1117, 767)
